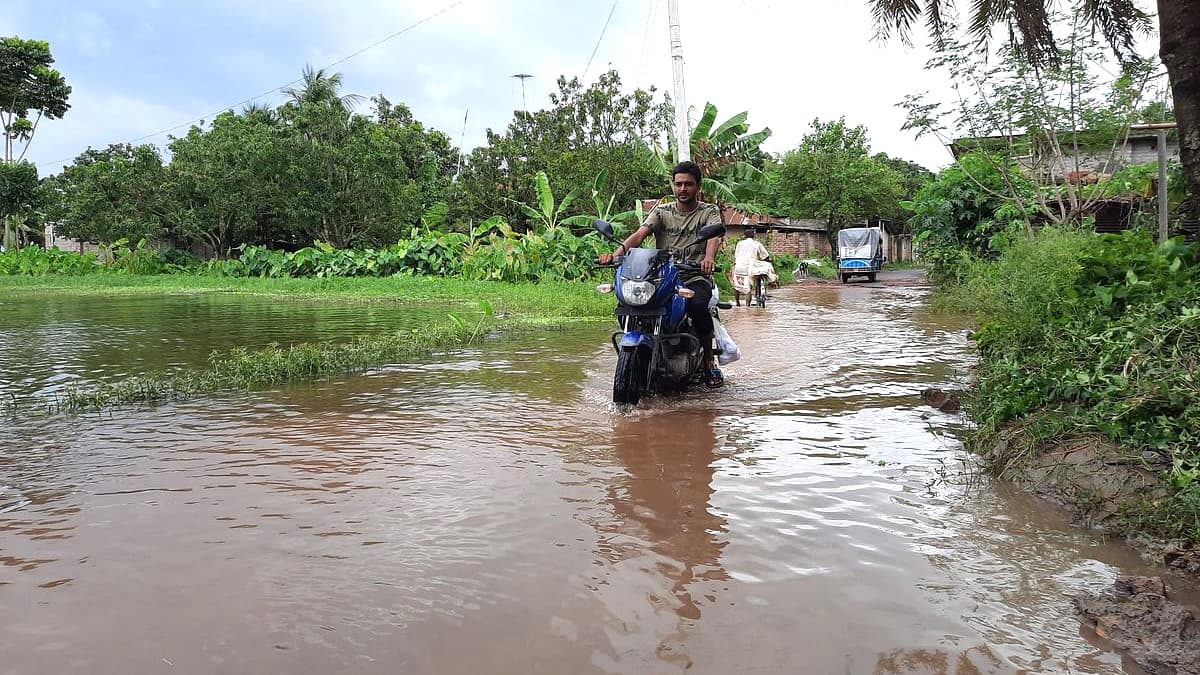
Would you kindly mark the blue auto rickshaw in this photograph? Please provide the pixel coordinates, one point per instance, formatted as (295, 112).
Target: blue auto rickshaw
(860, 253)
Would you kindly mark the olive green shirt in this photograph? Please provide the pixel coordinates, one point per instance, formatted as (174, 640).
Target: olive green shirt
(675, 231)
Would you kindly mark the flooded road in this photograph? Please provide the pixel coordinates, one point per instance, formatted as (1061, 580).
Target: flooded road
(47, 342)
(488, 511)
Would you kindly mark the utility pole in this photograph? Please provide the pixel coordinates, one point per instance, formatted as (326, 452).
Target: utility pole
(522, 77)
(1160, 130)
(683, 137)
(462, 140)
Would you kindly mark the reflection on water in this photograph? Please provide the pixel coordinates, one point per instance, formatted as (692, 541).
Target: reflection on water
(488, 511)
(48, 341)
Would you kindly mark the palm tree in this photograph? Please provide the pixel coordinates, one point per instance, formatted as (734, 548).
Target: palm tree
(260, 112)
(1120, 21)
(726, 156)
(317, 87)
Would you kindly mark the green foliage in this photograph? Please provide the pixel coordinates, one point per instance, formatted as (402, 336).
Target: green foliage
(19, 198)
(585, 131)
(35, 261)
(494, 253)
(28, 87)
(430, 253)
(1057, 121)
(553, 255)
(545, 214)
(118, 257)
(729, 155)
(1093, 335)
(964, 214)
(141, 259)
(603, 202)
(110, 194)
(833, 177)
(913, 178)
(307, 170)
(217, 180)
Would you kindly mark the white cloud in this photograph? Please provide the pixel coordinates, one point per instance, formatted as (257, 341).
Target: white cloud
(89, 32)
(785, 63)
(97, 119)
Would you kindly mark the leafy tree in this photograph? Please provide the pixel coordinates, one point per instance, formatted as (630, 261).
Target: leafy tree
(320, 88)
(965, 213)
(832, 176)
(913, 177)
(111, 194)
(1119, 21)
(1058, 120)
(28, 86)
(19, 198)
(345, 180)
(584, 131)
(219, 181)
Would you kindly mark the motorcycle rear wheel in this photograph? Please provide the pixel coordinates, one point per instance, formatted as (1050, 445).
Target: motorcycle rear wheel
(630, 375)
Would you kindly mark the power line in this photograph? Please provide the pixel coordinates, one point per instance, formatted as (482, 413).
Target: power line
(650, 16)
(286, 84)
(600, 39)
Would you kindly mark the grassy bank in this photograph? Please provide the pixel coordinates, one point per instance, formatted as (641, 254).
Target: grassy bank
(1089, 354)
(473, 309)
(563, 299)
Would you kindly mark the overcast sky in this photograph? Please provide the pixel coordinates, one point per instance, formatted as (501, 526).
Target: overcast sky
(141, 66)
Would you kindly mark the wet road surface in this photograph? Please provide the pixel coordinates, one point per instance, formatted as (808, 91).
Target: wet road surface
(489, 511)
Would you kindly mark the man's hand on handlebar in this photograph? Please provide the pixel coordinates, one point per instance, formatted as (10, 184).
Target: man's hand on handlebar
(605, 259)
(707, 265)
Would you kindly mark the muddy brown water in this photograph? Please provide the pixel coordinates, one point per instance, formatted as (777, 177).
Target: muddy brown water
(488, 511)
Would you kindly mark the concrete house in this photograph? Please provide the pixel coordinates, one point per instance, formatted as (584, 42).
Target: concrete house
(1087, 165)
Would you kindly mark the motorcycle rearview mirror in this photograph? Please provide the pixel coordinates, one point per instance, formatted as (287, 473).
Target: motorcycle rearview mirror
(710, 232)
(604, 228)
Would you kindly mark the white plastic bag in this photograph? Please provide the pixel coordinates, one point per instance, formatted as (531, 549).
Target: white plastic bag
(729, 349)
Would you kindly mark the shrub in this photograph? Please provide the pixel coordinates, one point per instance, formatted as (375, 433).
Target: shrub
(1093, 334)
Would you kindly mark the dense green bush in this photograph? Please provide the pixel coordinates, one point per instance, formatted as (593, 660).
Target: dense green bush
(35, 261)
(962, 216)
(1094, 334)
(117, 257)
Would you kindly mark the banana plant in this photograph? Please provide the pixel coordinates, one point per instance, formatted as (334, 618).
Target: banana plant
(16, 232)
(725, 155)
(602, 203)
(546, 217)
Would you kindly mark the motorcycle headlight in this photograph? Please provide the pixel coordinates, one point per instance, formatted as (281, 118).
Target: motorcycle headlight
(636, 292)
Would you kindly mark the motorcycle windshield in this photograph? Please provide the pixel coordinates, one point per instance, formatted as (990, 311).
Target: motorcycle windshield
(640, 264)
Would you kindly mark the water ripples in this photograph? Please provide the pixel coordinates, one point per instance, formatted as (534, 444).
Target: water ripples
(489, 511)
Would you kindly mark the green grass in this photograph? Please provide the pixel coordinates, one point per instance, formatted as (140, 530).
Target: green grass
(248, 369)
(1084, 335)
(557, 299)
(505, 308)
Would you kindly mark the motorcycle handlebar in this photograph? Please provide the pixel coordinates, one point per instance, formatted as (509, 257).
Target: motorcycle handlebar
(616, 262)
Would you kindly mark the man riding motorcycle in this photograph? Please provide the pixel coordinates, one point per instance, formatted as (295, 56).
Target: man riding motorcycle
(675, 226)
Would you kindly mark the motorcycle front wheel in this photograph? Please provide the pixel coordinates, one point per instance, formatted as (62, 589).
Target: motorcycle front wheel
(630, 376)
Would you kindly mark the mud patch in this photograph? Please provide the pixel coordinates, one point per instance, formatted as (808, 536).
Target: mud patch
(1097, 480)
(1163, 637)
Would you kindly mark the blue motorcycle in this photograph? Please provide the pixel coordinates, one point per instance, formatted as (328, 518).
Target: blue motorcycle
(657, 348)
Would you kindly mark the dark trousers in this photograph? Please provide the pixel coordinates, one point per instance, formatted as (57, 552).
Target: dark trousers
(697, 309)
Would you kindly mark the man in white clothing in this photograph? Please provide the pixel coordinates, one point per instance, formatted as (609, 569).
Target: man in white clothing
(746, 265)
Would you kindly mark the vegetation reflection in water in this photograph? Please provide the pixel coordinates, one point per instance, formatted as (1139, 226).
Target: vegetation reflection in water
(448, 321)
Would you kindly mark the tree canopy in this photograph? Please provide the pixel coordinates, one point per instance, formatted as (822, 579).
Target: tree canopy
(29, 87)
(833, 177)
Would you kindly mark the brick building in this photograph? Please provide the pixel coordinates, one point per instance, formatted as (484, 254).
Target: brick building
(781, 236)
